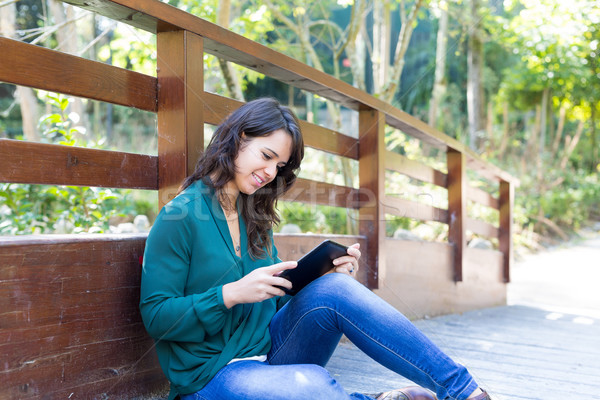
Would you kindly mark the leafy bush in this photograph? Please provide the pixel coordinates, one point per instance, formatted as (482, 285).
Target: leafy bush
(574, 202)
(314, 218)
(29, 209)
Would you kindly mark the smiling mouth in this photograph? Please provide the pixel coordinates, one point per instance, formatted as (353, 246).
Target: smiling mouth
(258, 179)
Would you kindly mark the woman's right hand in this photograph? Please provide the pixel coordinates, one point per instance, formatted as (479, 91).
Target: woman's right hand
(259, 285)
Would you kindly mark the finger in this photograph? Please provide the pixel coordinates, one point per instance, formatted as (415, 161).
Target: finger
(273, 291)
(341, 270)
(282, 282)
(351, 268)
(344, 259)
(282, 266)
(354, 252)
(344, 269)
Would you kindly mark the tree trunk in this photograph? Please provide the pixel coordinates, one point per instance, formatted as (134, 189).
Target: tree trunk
(381, 44)
(66, 36)
(543, 119)
(505, 130)
(570, 145)
(356, 45)
(230, 75)
(489, 127)
(439, 83)
(559, 131)
(475, 76)
(402, 42)
(25, 96)
(594, 149)
(532, 145)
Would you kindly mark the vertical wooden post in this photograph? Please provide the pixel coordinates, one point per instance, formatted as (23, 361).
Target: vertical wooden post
(371, 168)
(180, 108)
(506, 221)
(457, 208)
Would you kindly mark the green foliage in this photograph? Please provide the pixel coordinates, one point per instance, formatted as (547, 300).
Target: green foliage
(28, 209)
(313, 218)
(530, 46)
(572, 204)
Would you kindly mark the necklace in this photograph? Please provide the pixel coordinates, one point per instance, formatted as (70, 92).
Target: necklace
(234, 229)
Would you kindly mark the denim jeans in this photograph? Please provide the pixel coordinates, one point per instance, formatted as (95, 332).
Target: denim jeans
(305, 333)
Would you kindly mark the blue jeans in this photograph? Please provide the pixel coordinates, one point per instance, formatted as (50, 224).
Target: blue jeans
(305, 333)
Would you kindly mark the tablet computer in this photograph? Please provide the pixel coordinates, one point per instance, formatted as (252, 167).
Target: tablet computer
(313, 264)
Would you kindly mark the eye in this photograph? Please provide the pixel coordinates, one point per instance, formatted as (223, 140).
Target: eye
(266, 156)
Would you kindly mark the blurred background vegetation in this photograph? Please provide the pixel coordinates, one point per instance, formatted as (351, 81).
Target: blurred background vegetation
(517, 81)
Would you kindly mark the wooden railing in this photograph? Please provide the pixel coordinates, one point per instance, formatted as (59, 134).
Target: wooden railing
(182, 107)
(177, 96)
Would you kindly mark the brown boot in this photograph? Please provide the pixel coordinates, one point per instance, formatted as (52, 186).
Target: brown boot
(407, 393)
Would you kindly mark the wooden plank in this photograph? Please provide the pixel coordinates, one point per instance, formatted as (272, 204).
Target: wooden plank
(414, 169)
(482, 197)
(155, 16)
(180, 108)
(371, 173)
(457, 208)
(482, 228)
(329, 141)
(313, 192)
(488, 170)
(70, 318)
(507, 200)
(410, 209)
(28, 65)
(216, 108)
(39, 163)
(505, 348)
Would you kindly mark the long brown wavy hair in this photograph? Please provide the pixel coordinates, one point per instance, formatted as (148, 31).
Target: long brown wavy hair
(216, 165)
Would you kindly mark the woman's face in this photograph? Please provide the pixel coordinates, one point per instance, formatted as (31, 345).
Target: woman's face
(259, 160)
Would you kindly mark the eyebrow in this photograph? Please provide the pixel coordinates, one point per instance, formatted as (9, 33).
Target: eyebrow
(272, 151)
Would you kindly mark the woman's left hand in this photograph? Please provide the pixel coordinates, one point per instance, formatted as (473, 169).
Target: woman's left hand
(348, 264)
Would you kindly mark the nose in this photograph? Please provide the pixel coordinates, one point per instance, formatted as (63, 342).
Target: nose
(271, 170)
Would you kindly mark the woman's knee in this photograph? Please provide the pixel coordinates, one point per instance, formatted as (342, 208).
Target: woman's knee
(282, 382)
(336, 287)
(310, 379)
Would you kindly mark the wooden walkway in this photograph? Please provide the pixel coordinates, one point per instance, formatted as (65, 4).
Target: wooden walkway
(515, 352)
(544, 346)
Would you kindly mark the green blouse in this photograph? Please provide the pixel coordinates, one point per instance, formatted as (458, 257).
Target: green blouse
(189, 256)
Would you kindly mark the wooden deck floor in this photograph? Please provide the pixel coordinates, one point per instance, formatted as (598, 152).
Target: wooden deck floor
(515, 352)
(545, 346)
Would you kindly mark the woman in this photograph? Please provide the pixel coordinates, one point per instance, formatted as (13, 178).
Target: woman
(212, 299)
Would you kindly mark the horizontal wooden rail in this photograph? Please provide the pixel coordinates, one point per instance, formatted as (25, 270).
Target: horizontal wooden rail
(28, 65)
(216, 108)
(482, 228)
(313, 192)
(482, 197)
(53, 164)
(411, 209)
(414, 169)
(154, 16)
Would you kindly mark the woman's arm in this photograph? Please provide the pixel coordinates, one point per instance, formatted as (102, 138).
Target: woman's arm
(168, 313)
